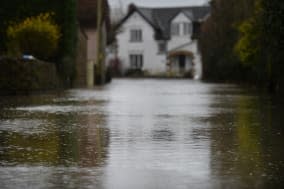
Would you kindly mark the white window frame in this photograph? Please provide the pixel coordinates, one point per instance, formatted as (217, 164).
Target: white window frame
(136, 61)
(175, 29)
(187, 28)
(136, 35)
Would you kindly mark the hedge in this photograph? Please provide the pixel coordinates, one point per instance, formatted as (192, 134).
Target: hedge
(22, 76)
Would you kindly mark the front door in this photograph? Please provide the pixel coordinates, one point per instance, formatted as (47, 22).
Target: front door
(181, 63)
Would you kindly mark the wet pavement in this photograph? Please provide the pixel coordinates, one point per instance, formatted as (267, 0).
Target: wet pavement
(143, 134)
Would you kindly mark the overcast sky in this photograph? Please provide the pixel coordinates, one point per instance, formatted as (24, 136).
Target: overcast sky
(157, 3)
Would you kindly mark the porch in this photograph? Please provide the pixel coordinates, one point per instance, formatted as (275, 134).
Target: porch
(180, 63)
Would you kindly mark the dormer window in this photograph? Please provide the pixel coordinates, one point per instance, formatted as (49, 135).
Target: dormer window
(135, 35)
(187, 28)
(175, 31)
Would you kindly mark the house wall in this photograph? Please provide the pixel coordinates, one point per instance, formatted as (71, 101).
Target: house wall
(153, 61)
(104, 37)
(102, 55)
(91, 55)
(91, 34)
(104, 45)
(81, 60)
(185, 43)
(91, 43)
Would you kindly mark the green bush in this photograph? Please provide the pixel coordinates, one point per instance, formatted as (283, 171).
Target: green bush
(37, 35)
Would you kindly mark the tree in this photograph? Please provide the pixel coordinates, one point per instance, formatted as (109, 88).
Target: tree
(219, 34)
(261, 42)
(65, 16)
(37, 35)
(244, 40)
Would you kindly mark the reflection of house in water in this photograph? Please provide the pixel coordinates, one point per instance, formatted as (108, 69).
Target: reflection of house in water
(66, 140)
(163, 135)
(81, 139)
(160, 40)
(94, 140)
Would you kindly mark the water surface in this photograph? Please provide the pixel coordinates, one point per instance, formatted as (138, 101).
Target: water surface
(143, 134)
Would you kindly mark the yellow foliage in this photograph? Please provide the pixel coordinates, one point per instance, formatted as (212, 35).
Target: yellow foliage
(37, 35)
(247, 46)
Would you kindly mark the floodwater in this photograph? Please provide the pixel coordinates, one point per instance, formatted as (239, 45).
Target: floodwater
(143, 134)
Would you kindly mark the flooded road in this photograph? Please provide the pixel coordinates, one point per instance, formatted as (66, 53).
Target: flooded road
(143, 134)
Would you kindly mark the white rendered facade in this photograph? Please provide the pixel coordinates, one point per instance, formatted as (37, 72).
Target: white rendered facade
(180, 53)
(153, 62)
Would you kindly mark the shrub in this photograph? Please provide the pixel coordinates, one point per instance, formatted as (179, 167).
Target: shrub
(20, 76)
(37, 35)
(134, 73)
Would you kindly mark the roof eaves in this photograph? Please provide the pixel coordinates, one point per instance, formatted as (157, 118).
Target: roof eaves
(141, 14)
(188, 14)
(149, 21)
(205, 17)
(175, 15)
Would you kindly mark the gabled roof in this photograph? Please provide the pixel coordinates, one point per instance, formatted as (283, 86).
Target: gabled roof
(160, 18)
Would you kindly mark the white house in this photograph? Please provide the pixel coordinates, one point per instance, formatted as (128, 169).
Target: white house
(161, 40)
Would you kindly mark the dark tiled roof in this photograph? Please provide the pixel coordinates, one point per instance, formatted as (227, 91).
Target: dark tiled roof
(160, 18)
(87, 12)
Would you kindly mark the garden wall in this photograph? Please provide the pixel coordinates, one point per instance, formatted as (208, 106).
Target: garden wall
(21, 76)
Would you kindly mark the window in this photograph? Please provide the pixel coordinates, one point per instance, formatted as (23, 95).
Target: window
(175, 29)
(136, 35)
(136, 61)
(162, 47)
(181, 28)
(187, 28)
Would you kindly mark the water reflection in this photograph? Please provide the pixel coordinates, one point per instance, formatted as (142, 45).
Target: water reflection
(56, 141)
(163, 135)
(143, 134)
(241, 157)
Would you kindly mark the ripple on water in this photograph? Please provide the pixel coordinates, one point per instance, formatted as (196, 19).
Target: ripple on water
(23, 126)
(58, 109)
